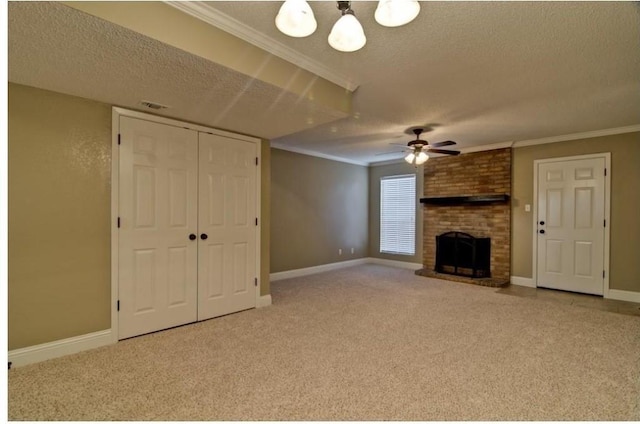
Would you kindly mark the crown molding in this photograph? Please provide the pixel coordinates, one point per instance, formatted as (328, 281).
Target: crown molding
(388, 162)
(578, 136)
(316, 154)
(212, 16)
(482, 148)
(485, 147)
(471, 149)
(554, 139)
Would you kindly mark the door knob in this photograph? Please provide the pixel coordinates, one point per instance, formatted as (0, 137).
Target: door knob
(541, 231)
(541, 222)
(203, 236)
(192, 237)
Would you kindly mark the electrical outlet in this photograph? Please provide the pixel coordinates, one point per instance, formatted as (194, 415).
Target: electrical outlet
(339, 251)
(527, 208)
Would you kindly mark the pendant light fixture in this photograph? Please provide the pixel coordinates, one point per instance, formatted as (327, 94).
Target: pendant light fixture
(394, 13)
(296, 19)
(347, 35)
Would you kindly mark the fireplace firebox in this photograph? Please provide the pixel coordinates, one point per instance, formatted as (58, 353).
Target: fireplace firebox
(462, 254)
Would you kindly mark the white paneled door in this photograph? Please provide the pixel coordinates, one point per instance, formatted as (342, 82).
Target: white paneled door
(187, 226)
(158, 212)
(227, 225)
(570, 225)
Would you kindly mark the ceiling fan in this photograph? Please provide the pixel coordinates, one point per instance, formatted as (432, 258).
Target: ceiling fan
(418, 149)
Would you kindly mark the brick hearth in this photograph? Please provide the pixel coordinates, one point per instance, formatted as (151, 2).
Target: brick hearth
(470, 174)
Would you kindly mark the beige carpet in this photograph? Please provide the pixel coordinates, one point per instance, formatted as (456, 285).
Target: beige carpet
(364, 343)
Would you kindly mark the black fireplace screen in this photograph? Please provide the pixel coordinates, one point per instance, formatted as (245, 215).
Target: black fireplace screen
(462, 254)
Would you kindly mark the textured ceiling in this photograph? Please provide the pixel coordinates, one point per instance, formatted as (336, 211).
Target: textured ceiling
(477, 72)
(58, 48)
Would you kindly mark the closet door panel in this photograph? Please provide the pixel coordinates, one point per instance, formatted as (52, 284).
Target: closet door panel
(227, 216)
(158, 182)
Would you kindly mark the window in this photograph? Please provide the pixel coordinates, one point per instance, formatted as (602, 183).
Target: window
(398, 214)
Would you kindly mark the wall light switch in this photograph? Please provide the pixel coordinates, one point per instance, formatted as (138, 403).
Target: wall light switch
(527, 208)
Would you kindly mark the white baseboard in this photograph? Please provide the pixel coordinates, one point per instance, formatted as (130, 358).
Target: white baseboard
(397, 264)
(301, 272)
(523, 281)
(264, 301)
(42, 352)
(628, 296)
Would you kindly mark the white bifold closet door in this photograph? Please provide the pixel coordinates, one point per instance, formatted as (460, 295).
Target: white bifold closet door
(158, 274)
(227, 215)
(187, 236)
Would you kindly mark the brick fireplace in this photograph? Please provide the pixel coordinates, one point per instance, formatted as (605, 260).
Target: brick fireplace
(469, 193)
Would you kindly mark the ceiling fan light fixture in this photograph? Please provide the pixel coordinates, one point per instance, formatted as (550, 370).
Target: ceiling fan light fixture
(421, 158)
(410, 157)
(417, 157)
(394, 13)
(347, 34)
(296, 19)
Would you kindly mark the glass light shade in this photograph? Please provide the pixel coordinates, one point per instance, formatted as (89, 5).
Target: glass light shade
(394, 13)
(410, 157)
(347, 34)
(296, 19)
(421, 158)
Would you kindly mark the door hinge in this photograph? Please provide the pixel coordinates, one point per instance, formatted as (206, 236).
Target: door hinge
(605, 172)
(602, 273)
(118, 305)
(256, 161)
(118, 222)
(255, 281)
(118, 139)
(256, 221)
(605, 222)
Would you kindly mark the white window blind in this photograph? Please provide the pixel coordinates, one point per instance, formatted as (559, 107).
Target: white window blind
(398, 214)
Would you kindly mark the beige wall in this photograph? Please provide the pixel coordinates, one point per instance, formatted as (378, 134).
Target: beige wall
(317, 207)
(59, 207)
(59, 216)
(625, 203)
(375, 173)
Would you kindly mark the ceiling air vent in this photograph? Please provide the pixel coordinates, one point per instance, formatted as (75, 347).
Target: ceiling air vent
(152, 105)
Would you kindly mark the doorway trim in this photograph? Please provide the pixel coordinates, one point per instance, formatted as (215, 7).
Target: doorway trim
(607, 208)
(118, 112)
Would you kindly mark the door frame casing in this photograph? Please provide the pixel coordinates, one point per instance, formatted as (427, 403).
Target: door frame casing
(118, 112)
(607, 208)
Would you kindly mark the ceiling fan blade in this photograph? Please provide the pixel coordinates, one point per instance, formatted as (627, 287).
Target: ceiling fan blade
(398, 144)
(445, 152)
(442, 143)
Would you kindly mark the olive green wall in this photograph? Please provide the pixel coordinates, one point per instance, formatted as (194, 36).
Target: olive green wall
(59, 205)
(59, 208)
(59, 257)
(624, 272)
(375, 174)
(265, 216)
(317, 207)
